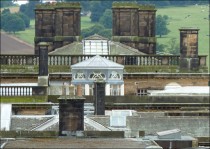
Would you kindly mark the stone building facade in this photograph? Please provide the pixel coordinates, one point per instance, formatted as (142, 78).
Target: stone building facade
(58, 24)
(134, 25)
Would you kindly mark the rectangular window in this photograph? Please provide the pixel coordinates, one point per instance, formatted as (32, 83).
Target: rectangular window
(114, 90)
(141, 92)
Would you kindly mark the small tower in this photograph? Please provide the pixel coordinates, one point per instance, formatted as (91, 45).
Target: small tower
(57, 23)
(189, 49)
(134, 25)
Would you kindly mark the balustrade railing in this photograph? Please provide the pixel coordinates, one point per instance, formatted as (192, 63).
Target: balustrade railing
(19, 59)
(73, 59)
(22, 90)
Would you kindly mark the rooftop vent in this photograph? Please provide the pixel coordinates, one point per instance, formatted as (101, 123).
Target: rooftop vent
(169, 134)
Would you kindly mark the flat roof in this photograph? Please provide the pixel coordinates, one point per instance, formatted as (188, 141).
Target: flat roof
(64, 142)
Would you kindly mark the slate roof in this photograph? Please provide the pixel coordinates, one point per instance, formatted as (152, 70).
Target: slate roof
(76, 48)
(97, 62)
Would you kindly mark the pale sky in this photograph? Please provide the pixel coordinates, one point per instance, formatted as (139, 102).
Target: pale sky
(20, 2)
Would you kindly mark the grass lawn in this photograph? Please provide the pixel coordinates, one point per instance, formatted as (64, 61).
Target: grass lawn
(178, 18)
(86, 22)
(29, 34)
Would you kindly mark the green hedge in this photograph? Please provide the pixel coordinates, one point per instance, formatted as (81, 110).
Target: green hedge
(23, 99)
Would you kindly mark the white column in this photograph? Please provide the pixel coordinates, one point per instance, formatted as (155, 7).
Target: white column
(107, 93)
(87, 89)
(122, 90)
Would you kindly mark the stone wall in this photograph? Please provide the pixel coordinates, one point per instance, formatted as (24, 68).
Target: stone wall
(58, 24)
(193, 126)
(136, 21)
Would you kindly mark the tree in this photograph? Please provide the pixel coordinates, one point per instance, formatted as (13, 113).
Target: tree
(23, 8)
(106, 19)
(92, 30)
(161, 25)
(6, 11)
(98, 8)
(28, 9)
(96, 11)
(160, 48)
(173, 47)
(25, 19)
(6, 3)
(106, 33)
(12, 23)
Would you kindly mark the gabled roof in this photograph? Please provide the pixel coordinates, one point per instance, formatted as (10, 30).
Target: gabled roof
(97, 62)
(96, 37)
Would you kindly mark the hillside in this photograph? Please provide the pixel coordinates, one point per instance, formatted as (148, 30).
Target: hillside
(190, 16)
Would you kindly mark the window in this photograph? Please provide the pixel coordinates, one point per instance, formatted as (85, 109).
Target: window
(141, 92)
(91, 90)
(115, 90)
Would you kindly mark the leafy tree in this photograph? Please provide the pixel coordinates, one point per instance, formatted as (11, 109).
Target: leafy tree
(14, 25)
(5, 18)
(97, 29)
(106, 19)
(160, 48)
(96, 11)
(106, 33)
(23, 8)
(6, 11)
(28, 8)
(11, 22)
(92, 30)
(98, 8)
(25, 19)
(173, 46)
(6, 3)
(161, 25)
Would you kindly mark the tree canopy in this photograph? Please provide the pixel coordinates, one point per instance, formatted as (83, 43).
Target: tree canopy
(106, 19)
(161, 25)
(97, 29)
(6, 3)
(13, 22)
(28, 8)
(14, 25)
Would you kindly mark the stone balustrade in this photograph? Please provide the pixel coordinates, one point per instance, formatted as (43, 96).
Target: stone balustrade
(139, 60)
